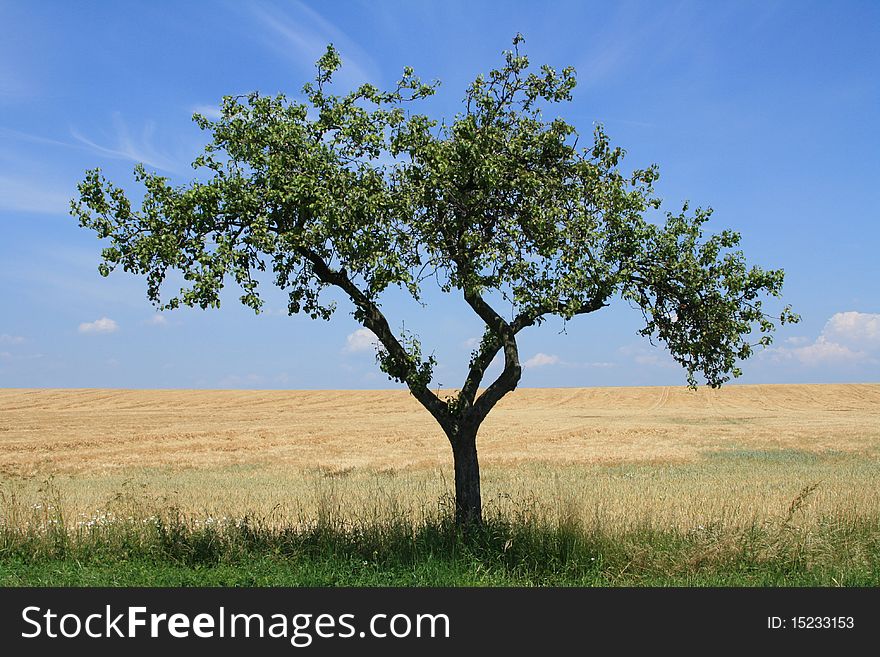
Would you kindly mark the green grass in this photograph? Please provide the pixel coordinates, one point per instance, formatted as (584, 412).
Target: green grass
(507, 551)
(788, 456)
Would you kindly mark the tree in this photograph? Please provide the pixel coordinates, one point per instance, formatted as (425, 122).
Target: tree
(356, 192)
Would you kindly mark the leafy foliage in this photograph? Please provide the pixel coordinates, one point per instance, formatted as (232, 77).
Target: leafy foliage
(358, 192)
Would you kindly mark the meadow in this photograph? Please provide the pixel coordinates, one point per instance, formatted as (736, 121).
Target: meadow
(746, 485)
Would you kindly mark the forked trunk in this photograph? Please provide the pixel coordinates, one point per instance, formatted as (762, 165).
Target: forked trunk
(468, 504)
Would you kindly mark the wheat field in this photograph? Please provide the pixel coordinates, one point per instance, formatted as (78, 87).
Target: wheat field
(663, 456)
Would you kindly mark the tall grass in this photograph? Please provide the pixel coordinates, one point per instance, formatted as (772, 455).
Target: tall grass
(521, 543)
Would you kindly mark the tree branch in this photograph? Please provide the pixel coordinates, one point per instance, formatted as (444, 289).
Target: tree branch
(374, 320)
(530, 317)
(493, 341)
(508, 379)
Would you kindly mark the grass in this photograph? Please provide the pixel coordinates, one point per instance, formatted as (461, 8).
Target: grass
(734, 488)
(521, 546)
(844, 554)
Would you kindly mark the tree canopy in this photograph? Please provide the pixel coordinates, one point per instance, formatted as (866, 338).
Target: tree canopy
(360, 192)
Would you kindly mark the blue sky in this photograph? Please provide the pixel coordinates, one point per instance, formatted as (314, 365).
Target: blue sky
(767, 111)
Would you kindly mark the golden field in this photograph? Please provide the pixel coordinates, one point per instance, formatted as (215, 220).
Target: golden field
(663, 455)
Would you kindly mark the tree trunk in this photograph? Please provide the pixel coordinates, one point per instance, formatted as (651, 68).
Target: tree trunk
(468, 505)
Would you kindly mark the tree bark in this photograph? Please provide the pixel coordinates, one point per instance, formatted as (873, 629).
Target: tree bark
(468, 503)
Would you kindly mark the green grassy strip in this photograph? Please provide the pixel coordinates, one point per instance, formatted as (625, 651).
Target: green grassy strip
(269, 572)
(174, 552)
(275, 572)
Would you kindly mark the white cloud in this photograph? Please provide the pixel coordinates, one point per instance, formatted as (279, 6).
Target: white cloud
(5, 355)
(471, 343)
(854, 328)
(103, 325)
(542, 359)
(847, 337)
(361, 340)
(822, 351)
(210, 112)
(157, 320)
(5, 338)
(127, 147)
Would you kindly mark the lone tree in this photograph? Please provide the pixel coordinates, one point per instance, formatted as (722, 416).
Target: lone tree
(500, 205)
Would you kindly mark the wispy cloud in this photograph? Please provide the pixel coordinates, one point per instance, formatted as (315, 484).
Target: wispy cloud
(135, 149)
(242, 380)
(618, 47)
(9, 133)
(9, 356)
(606, 59)
(103, 325)
(847, 338)
(157, 320)
(124, 146)
(211, 112)
(542, 360)
(301, 33)
(11, 90)
(71, 274)
(23, 195)
(361, 340)
(5, 338)
(251, 381)
(14, 86)
(648, 356)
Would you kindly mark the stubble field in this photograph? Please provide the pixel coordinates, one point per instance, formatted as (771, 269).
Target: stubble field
(778, 472)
